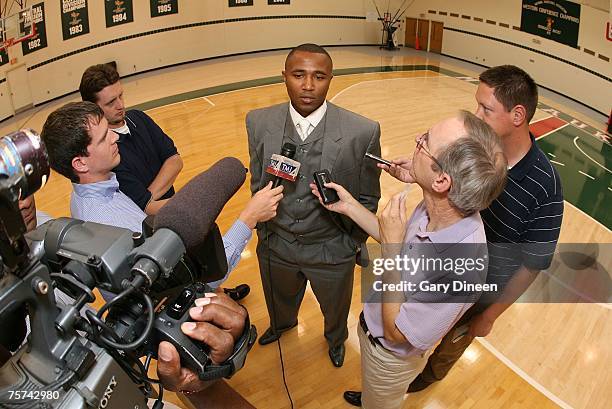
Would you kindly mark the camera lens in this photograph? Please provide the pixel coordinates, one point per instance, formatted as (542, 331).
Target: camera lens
(23, 154)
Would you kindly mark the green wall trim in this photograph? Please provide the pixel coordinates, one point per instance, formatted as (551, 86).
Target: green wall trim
(219, 89)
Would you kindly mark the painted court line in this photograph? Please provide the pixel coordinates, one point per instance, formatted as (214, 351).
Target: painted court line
(541, 119)
(585, 154)
(379, 80)
(557, 163)
(545, 126)
(587, 215)
(541, 388)
(181, 102)
(169, 105)
(551, 132)
(209, 101)
(586, 174)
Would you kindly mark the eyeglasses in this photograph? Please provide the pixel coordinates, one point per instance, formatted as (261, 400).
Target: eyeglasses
(420, 144)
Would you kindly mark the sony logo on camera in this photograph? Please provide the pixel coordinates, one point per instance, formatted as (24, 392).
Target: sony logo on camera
(110, 388)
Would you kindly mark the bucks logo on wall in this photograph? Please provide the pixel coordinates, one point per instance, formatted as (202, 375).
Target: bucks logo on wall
(39, 40)
(163, 7)
(557, 20)
(118, 12)
(75, 19)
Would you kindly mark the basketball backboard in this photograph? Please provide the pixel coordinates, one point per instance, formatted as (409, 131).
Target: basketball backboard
(16, 27)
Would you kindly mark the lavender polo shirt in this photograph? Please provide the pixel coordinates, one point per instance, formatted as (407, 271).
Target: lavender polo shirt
(423, 319)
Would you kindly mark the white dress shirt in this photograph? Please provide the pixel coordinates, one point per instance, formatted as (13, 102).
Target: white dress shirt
(304, 126)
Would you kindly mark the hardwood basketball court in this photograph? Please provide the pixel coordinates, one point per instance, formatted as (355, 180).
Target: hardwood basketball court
(538, 355)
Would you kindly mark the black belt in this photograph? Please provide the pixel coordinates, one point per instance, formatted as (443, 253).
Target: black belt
(373, 340)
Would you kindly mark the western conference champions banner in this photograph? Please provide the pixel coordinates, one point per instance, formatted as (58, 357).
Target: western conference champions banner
(118, 12)
(557, 20)
(40, 38)
(75, 18)
(163, 7)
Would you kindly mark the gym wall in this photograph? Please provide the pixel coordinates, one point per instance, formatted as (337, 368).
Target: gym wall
(201, 29)
(210, 28)
(583, 74)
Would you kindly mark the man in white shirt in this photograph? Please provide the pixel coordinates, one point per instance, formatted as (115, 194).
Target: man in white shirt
(304, 242)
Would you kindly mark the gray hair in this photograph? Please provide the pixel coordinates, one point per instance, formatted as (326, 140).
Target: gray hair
(476, 164)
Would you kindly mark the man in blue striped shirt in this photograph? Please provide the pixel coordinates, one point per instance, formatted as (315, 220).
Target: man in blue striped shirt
(522, 225)
(83, 148)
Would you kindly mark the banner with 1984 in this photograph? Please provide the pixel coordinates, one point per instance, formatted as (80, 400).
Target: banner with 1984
(118, 12)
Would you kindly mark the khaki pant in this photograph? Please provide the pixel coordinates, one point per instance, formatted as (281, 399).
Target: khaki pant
(384, 375)
(450, 349)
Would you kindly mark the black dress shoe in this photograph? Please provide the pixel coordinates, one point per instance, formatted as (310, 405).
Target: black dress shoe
(239, 292)
(418, 384)
(270, 336)
(336, 354)
(353, 397)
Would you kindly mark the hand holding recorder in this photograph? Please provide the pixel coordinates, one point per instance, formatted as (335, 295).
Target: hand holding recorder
(398, 168)
(341, 206)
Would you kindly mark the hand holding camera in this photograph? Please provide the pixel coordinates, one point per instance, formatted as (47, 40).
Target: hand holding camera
(218, 322)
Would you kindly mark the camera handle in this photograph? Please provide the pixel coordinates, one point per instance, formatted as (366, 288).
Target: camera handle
(238, 358)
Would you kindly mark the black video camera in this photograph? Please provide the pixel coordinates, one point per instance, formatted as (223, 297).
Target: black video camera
(74, 356)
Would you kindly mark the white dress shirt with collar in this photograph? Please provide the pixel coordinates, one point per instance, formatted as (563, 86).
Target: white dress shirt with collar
(310, 122)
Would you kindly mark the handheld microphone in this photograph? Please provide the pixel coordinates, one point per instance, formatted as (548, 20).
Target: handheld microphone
(282, 166)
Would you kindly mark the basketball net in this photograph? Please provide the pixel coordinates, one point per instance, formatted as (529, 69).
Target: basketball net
(6, 44)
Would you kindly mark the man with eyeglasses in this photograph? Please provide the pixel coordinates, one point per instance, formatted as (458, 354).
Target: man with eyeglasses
(522, 225)
(460, 168)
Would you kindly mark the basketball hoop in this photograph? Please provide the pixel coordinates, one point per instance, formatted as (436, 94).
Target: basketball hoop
(16, 28)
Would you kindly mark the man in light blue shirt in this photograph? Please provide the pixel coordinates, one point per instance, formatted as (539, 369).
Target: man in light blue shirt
(82, 147)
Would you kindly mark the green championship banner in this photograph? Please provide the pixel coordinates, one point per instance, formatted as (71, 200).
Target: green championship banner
(3, 57)
(75, 19)
(163, 7)
(40, 38)
(240, 3)
(557, 20)
(118, 12)
(3, 51)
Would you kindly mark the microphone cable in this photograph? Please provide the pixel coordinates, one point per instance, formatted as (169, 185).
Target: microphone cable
(273, 318)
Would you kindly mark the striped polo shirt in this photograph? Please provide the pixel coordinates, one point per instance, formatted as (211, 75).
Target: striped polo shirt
(522, 225)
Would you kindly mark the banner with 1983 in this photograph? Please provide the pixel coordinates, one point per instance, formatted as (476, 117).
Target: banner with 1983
(75, 18)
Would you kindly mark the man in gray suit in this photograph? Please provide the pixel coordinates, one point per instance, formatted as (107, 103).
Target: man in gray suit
(305, 242)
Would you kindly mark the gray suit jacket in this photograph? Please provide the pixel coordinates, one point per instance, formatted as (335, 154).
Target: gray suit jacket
(348, 136)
